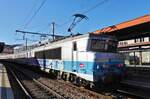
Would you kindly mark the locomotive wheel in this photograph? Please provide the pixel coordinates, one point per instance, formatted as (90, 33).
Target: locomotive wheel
(84, 82)
(63, 76)
(71, 78)
(79, 81)
(91, 85)
(52, 73)
(58, 75)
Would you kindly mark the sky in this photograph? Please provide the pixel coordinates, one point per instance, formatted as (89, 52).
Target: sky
(14, 14)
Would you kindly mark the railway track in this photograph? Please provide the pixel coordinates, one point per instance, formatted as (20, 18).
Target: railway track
(19, 90)
(67, 90)
(33, 88)
(39, 87)
(140, 90)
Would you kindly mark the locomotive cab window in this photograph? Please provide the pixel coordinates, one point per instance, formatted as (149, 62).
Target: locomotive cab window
(112, 46)
(99, 45)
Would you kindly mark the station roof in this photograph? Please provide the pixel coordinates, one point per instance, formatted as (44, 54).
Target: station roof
(139, 27)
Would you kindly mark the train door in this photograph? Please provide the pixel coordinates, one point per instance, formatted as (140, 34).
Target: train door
(74, 57)
(78, 60)
(82, 62)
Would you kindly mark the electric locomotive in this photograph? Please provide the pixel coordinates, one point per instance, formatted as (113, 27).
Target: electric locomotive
(82, 59)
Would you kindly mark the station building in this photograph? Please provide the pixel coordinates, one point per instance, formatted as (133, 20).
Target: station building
(134, 40)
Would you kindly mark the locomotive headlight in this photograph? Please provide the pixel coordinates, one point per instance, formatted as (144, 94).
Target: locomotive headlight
(97, 67)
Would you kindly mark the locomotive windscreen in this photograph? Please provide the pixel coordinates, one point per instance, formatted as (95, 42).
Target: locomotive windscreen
(99, 45)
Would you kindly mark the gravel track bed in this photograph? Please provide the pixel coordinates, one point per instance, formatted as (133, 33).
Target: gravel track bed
(67, 90)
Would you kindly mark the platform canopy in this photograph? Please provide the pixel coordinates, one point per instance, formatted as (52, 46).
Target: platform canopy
(132, 29)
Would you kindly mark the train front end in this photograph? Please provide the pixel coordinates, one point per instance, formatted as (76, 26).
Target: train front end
(108, 65)
(108, 68)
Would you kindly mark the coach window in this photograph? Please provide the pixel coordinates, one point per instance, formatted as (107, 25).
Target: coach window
(75, 46)
(53, 53)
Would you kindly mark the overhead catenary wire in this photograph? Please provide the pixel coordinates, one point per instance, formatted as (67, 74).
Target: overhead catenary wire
(86, 11)
(68, 21)
(34, 14)
(30, 12)
(95, 6)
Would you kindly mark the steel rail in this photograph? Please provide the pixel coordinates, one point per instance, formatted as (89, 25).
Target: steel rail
(132, 94)
(20, 84)
(44, 86)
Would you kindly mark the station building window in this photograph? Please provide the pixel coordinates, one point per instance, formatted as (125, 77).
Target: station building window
(139, 40)
(142, 39)
(134, 40)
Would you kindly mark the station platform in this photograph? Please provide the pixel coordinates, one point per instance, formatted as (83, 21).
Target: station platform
(5, 88)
